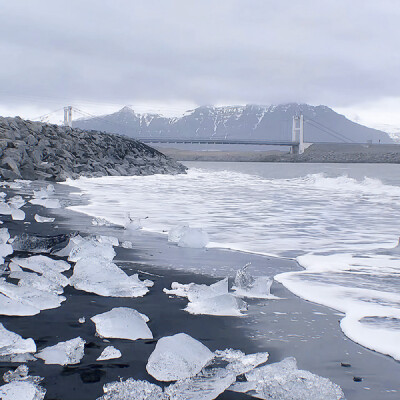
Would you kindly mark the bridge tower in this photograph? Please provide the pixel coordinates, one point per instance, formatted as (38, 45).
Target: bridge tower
(298, 134)
(68, 116)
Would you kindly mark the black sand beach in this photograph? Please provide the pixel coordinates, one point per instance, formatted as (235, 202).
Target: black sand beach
(285, 327)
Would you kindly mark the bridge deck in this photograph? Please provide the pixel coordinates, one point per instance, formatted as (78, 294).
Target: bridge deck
(220, 141)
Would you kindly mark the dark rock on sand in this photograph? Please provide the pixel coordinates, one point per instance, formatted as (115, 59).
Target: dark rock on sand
(34, 150)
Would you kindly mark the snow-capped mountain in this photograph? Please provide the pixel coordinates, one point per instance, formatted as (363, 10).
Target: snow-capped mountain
(274, 122)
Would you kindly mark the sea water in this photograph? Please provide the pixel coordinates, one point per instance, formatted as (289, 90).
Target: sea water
(340, 221)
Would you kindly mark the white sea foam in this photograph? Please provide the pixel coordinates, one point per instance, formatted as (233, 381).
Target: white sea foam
(330, 221)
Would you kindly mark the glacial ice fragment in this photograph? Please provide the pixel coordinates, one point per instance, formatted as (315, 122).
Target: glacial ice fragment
(16, 202)
(109, 353)
(248, 286)
(64, 353)
(283, 381)
(47, 203)
(177, 357)
(89, 248)
(18, 390)
(100, 276)
(11, 343)
(40, 219)
(5, 248)
(195, 238)
(17, 215)
(42, 264)
(175, 234)
(122, 323)
(132, 390)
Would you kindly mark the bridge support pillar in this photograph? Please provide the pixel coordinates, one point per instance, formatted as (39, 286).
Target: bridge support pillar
(68, 116)
(298, 135)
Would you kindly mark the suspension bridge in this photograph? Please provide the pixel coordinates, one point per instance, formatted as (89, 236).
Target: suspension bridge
(297, 143)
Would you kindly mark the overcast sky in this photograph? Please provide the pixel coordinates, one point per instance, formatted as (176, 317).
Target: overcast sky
(174, 55)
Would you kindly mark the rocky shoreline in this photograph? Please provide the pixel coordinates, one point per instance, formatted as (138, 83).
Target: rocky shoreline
(38, 151)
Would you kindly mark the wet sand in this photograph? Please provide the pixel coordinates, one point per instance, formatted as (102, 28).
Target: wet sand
(285, 327)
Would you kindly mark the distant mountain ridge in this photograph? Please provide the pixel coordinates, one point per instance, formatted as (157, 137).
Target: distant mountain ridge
(238, 122)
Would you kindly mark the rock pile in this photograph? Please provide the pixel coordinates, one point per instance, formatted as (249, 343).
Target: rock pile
(34, 150)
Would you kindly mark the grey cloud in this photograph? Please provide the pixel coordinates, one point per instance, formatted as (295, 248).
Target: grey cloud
(332, 52)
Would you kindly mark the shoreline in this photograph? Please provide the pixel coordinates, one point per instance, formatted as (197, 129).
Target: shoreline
(286, 327)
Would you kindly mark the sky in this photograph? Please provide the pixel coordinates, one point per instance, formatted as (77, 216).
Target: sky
(171, 56)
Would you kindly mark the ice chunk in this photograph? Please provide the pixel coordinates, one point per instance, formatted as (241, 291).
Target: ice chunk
(283, 381)
(195, 238)
(108, 239)
(5, 248)
(42, 264)
(5, 209)
(22, 390)
(89, 248)
(100, 276)
(47, 203)
(20, 374)
(175, 234)
(64, 353)
(109, 353)
(247, 286)
(39, 282)
(82, 320)
(17, 215)
(127, 244)
(12, 343)
(39, 218)
(39, 244)
(177, 357)
(132, 390)
(122, 323)
(132, 224)
(26, 300)
(216, 376)
(223, 305)
(100, 222)
(16, 202)
(209, 299)
(18, 358)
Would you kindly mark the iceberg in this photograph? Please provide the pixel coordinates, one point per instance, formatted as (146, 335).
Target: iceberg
(256, 288)
(12, 343)
(177, 357)
(109, 353)
(132, 390)
(64, 353)
(122, 323)
(40, 219)
(283, 381)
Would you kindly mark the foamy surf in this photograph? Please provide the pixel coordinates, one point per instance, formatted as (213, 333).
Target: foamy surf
(338, 227)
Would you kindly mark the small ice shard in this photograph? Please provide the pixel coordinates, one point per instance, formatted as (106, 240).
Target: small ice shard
(222, 305)
(195, 238)
(122, 323)
(82, 320)
(283, 381)
(17, 215)
(11, 343)
(39, 218)
(127, 244)
(22, 390)
(177, 357)
(247, 286)
(100, 276)
(64, 353)
(109, 353)
(175, 234)
(132, 390)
